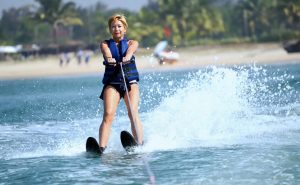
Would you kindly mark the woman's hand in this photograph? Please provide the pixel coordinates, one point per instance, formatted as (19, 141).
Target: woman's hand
(111, 61)
(126, 60)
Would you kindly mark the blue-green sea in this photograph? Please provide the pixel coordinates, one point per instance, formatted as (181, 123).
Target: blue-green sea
(207, 126)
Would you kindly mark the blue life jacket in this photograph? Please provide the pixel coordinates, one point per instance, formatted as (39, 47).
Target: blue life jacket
(113, 74)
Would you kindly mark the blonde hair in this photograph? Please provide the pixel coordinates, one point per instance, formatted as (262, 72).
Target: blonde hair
(118, 17)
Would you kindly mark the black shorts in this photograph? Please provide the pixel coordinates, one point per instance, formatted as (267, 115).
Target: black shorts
(119, 87)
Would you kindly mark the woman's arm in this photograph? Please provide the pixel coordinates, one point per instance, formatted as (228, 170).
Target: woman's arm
(106, 53)
(132, 47)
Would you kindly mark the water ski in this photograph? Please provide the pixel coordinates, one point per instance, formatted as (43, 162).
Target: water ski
(128, 141)
(92, 146)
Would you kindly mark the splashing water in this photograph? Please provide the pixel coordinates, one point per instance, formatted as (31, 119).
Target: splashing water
(218, 106)
(209, 107)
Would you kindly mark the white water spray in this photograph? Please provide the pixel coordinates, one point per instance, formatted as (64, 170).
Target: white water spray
(217, 107)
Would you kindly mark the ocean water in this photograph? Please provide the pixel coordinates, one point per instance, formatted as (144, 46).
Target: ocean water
(208, 126)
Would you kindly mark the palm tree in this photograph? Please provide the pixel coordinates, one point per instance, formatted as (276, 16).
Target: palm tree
(289, 12)
(56, 13)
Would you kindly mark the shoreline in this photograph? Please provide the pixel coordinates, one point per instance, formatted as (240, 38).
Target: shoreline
(190, 58)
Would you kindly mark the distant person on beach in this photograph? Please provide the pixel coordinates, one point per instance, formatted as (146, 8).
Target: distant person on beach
(79, 56)
(119, 51)
(61, 59)
(87, 56)
(68, 58)
(64, 58)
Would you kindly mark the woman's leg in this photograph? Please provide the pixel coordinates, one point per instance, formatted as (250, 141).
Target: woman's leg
(111, 99)
(134, 95)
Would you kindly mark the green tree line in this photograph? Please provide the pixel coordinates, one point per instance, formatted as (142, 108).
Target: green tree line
(189, 22)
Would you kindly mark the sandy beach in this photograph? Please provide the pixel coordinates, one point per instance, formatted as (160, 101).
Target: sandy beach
(190, 57)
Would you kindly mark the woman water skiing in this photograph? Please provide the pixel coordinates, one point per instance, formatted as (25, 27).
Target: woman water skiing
(119, 51)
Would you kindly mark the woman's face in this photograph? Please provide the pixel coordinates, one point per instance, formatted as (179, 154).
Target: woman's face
(117, 30)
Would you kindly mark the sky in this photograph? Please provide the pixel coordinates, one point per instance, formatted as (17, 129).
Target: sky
(133, 5)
